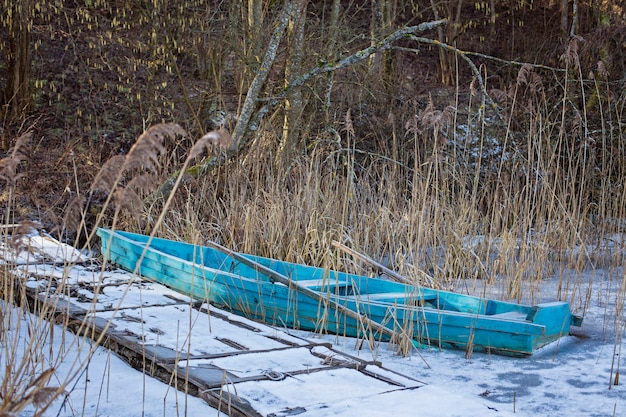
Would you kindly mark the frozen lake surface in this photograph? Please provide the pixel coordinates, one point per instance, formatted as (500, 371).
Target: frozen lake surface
(574, 377)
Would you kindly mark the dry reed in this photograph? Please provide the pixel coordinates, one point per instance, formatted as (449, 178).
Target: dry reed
(464, 200)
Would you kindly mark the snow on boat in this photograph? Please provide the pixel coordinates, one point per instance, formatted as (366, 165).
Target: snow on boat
(303, 297)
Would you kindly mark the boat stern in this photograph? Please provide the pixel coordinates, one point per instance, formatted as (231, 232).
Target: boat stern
(555, 316)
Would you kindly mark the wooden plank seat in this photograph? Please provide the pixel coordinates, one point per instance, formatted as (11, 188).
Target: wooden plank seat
(397, 296)
(318, 284)
(511, 315)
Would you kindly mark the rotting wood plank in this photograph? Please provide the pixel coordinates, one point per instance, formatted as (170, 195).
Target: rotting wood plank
(211, 377)
(133, 353)
(211, 383)
(148, 361)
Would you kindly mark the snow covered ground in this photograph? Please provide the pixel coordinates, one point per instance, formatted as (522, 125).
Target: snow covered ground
(574, 377)
(108, 386)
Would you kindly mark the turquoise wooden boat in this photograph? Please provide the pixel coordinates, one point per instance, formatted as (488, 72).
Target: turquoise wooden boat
(323, 300)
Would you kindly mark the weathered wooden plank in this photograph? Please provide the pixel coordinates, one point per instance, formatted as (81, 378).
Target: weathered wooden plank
(198, 349)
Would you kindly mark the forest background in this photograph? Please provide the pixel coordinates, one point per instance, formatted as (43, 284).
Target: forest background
(405, 128)
(476, 146)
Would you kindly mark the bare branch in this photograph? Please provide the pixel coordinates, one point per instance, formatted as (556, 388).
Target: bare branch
(462, 55)
(363, 54)
(249, 119)
(257, 83)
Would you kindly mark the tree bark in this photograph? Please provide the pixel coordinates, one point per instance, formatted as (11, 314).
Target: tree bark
(255, 25)
(294, 102)
(389, 19)
(447, 60)
(331, 54)
(564, 18)
(574, 27)
(376, 25)
(440, 36)
(254, 90)
(249, 118)
(17, 95)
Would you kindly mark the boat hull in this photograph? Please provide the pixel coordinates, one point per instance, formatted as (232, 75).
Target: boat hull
(430, 317)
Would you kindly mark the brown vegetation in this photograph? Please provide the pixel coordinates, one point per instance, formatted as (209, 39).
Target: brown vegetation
(512, 169)
(510, 148)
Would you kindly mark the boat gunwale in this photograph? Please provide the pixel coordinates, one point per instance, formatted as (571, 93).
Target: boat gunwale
(527, 341)
(523, 326)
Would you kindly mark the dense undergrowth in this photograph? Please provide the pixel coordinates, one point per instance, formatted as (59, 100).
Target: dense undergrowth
(448, 185)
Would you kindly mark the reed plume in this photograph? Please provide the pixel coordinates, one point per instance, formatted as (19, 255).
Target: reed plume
(125, 179)
(214, 140)
(9, 165)
(143, 156)
(35, 392)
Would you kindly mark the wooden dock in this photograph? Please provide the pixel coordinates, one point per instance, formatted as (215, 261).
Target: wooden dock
(234, 364)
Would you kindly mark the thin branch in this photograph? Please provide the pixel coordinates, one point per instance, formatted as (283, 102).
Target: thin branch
(363, 54)
(355, 58)
(250, 120)
(257, 83)
(480, 55)
(463, 56)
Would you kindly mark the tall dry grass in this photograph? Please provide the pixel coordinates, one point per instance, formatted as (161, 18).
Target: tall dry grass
(454, 193)
(26, 380)
(457, 195)
(41, 362)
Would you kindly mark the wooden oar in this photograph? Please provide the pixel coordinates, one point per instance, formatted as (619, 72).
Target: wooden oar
(277, 276)
(383, 269)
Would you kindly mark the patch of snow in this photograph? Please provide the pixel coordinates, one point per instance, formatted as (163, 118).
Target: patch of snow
(574, 376)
